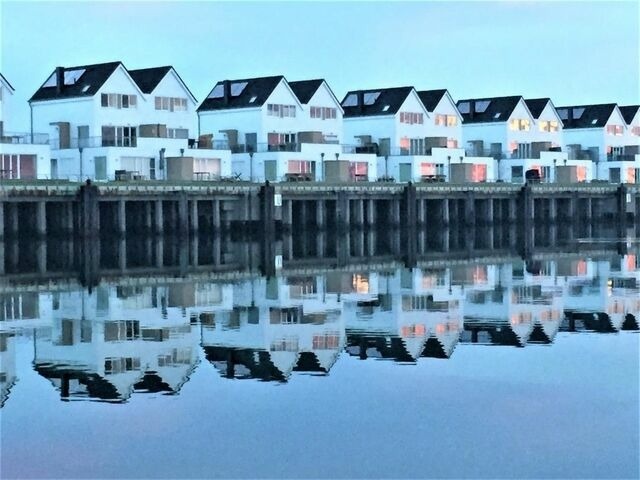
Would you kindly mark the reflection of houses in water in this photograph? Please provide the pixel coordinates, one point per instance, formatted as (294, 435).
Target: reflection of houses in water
(606, 300)
(523, 304)
(22, 310)
(7, 365)
(416, 313)
(277, 326)
(113, 342)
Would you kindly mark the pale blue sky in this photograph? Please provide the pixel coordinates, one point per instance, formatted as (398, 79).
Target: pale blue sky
(573, 52)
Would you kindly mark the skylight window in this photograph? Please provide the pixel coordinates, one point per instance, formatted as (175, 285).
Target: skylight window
(51, 81)
(594, 121)
(563, 113)
(463, 107)
(371, 97)
(497, 115)
(385, 108)
(217, 92)
(351, 100)
(72, 76)
(85, 88)
(482, 105)
(253, 99)
(577, 112)
(237, 88)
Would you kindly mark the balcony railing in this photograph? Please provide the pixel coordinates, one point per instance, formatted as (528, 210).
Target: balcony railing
(620, 157)
(208, 144)
(93, 142)
(24, 138)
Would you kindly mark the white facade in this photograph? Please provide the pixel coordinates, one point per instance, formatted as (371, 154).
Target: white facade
(609, 143)
(95, 153)
(22, 155)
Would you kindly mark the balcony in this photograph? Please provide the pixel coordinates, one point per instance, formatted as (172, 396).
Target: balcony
(279, 147)
(620, 157)
(93, 142)
(24, 138)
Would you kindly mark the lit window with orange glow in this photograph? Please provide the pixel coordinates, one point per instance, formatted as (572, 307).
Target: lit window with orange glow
(360, 283)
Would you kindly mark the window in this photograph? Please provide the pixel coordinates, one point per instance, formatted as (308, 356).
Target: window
(446, 120)
(177, 133)
(118, 100)
(323, 113)
(301, 166)
(351, 100)
(615, 129)
(548, 126)
(635, 131)
(328, 341)
(237, 88)
(519, 124)
(115, 331)
(217, 92)
(119, 365)
(119, 136)
(172, 104)
(371, 97)
(411, 118)
(277, 110)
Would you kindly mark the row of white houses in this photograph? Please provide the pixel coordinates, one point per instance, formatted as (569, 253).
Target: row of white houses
(106, 122)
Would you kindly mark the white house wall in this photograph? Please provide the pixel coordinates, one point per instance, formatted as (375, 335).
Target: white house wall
(170, 86)
(445, 107)
(405, 130)
(245, 120)
(379, 126)
(549, 114)
(281, 95)
(333, 127)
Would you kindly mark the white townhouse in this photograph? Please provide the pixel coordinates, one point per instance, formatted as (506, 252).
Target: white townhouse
(106, 122)
(599, 133)
(395, 124)
(446, 123)
(631, 115)
(277, 130)
(22, 155)
(506, 129)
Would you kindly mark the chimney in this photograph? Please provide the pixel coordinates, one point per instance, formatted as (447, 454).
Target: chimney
(360, 101)
(472, 108)
(226, 87)
(59, 79)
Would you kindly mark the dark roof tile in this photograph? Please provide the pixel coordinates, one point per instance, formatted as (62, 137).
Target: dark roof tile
(87, 85)
(260, 88)
(628, 112)
(586, 116)
(388, 102)
(149, 78)
(537, 105)
(498, 109)
(305, 89)
(431, 98)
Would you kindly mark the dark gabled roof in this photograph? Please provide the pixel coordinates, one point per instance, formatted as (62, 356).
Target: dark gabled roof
(431, 98)
(93, 77)
(260, 88)
(499, 109)
(149, 78)
(536, 106)
(305, 89)
(7, 82)
(628, 112)
(392, 98)
(586, 116)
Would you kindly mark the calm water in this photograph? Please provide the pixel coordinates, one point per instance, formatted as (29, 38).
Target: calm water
(474, 362)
